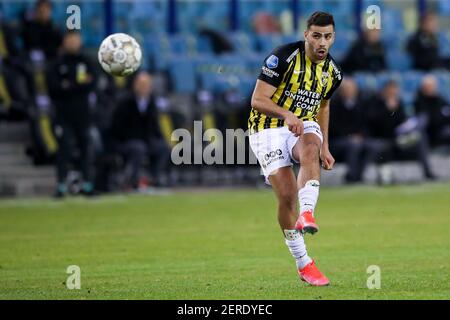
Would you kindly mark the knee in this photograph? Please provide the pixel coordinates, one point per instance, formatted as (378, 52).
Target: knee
(309, 153)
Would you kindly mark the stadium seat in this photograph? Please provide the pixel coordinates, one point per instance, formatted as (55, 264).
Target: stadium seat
(59, 11)
(342, 44)
(384, 77)
(444, 44)
(94, 32)
(398, 60)
(194, 15)
(266, 43)
(444, 7)
(246, 86)
(178, 44)
(366, 81)
(182, 74)
(411, 79)
(396, 40)
(12, 9)
(392, 20)
(247, 10)
(158, 48)
(443, 80)
(242, 42)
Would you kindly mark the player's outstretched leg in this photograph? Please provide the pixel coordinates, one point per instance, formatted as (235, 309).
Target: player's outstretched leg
(285, 187)
(307, 151)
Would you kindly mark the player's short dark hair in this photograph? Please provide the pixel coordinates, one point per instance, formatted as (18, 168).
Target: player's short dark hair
(321, 19)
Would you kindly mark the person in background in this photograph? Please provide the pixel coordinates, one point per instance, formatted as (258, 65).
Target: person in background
(14, 96)
(366, 54)
(430, 104)
(39, 33)
(384, 122)
(265, 23)
(9, 52)
(219, 42)
(346, 129)
(136, 128)
(423, 46)
(71, 79)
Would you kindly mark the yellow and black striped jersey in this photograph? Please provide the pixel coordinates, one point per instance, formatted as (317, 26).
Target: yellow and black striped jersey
(301, 84)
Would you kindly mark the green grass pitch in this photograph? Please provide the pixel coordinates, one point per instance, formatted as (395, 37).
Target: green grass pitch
(226, 245)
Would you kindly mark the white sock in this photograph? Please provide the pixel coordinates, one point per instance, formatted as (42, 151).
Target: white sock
(308, 195)
(296, 244)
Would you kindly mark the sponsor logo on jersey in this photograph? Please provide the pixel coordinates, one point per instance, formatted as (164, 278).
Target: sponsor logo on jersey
(336, 70)
(272, 62)
(292, 56)
(270, 73)
(304, 99)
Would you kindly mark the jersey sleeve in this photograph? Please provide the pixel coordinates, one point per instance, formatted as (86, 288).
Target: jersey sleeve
(337, 79)
(274, 67)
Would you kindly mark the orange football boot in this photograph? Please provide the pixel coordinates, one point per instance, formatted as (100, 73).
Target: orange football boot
(306, 222)
(312, 275)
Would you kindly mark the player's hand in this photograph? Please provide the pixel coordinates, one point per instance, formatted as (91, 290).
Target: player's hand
(327, 159)
(294, 124)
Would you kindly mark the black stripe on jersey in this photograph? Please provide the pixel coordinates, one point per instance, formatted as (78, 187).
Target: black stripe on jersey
(313, 77)
(282, 102)
(257, 119)
(284, 97)
(292, 107)
(303, 83)
(335, 84)
(301, 78)
(280, 122)
(287, 79)
(303, 113)
(267, 122)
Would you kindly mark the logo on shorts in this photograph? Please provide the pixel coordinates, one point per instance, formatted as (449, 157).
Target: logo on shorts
(272, 62)
(271, 157)
(272, 154)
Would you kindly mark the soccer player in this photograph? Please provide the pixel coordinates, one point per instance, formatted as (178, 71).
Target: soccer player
(289, 122)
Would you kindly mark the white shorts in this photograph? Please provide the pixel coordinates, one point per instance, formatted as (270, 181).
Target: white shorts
(273, 147)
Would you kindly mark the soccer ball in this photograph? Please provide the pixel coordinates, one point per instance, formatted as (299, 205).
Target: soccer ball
(120, 54)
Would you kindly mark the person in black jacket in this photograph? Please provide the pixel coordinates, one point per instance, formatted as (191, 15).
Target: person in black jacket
(136, 129)
(435, 109)
(39, 33)
(71, 79)
(423, 46)
(384, 123)
(14, 96)
(346, 131)
(366, 54)
(9, 54)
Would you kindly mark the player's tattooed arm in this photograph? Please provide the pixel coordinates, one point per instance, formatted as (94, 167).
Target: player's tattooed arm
(323, 118)
(261, 101)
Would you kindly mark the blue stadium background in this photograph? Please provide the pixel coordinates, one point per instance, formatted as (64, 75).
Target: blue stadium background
(186, 70)
(167, 30)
